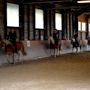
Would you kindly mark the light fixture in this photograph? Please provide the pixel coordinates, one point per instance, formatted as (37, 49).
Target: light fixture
(85, 1)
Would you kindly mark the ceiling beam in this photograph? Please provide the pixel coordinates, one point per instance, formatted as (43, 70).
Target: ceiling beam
(44, 1)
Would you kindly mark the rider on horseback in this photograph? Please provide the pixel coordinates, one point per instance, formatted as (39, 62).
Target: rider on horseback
(55, 37)
(76, 36)
(12, 38)
(76, 42)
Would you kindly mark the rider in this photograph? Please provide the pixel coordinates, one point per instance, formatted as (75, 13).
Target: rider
(12, 38)
(55, 37)
(76, 36)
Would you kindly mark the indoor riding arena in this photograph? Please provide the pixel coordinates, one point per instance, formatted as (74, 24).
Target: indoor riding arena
(44, 44)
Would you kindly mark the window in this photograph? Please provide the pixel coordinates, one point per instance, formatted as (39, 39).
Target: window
(58, 21)
(79, 26)
(83, 26)
(12, 15)
(89, 27)
(39, 19)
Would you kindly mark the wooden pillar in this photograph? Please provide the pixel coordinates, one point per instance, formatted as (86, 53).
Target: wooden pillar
(52, 21)
(45, 24)
(21, 30)
(34, 31)
(31, 8)
(28, 22)
(48, 23)
(68, 25)
(5, 18)
(74, 23)
(71, 25)
(64, 25)
(87, 31)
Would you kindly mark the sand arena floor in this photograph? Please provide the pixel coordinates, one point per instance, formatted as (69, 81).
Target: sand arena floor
(65, 72)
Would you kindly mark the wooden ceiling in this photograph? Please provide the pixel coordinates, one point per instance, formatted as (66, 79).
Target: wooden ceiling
(63, 4)
(46, 1)
(70, 5)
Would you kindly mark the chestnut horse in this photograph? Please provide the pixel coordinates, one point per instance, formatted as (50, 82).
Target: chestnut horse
(10, 49)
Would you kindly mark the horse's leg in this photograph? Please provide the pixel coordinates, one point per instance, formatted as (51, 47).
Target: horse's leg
(10, 57)
(22, 60)
(80, 47)
(54, 52)
(76, 49)
(7, 55)
(18, 54)
(50, 51)
(88, 45)
(22, 50)
(72, 48)
(13, 58)
(59, 49)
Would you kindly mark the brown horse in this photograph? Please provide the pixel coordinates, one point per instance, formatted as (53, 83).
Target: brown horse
(10, 49)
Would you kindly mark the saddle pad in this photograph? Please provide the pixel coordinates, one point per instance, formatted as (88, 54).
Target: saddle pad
(18, 45)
